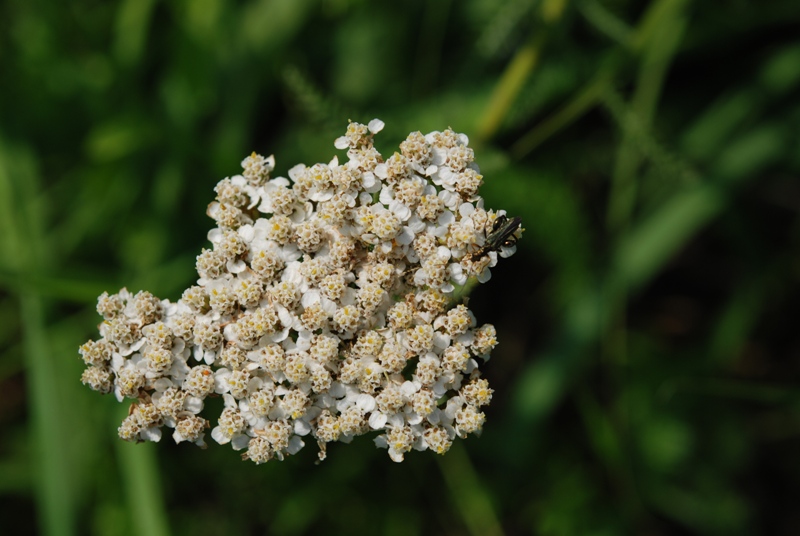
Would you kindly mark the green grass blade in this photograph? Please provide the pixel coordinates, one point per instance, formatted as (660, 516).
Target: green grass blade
(472, 501)
(49, 425)
(142, 483)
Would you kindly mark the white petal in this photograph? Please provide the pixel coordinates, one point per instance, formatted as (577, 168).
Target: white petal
(303, 342)
(467, 338)
(396, 420)
(405, 237)
(301, 427)
(368, 179)
(377, 420)
(448, 178)
(177, 437)
(237, 266)
(284, 316)
(386, 196)
(247, 232)
(409, 388)
(240, 441)
(162, 384)
(218, 436)
(374, 188)
(443, 252)
(295, 171)
(413, 418)
(416, 224)
(178, 346)
(215, 235)
(336, 390)
(375, 126)
(466, 209)
(507, 251)
(365, 402)
(420, 277)
(439, 156)
(400, 210)
(435, 417)
(193, 404)
(341, 142)
(151, 434)
(310, 298)
(295, 444)
(441, 340)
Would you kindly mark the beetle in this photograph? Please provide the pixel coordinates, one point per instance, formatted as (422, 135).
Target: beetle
(502, 235)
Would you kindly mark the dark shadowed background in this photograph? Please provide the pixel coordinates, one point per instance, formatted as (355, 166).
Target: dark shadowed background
(647, 379)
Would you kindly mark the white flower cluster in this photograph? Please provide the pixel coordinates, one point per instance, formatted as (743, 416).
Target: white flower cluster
(324, 308)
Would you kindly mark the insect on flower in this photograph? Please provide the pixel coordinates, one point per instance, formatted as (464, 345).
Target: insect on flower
(503, 235)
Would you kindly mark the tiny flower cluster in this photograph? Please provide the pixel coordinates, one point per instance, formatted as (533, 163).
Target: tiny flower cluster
(323, 308)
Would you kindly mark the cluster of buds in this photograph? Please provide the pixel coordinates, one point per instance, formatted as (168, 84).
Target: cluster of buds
(324, 309)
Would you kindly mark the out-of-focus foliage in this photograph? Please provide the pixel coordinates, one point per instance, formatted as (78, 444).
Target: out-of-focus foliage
(647, 376)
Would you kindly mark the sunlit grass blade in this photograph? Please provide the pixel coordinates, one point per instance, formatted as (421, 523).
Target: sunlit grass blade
(142, 483)
(49, 431)
(521, 67)
(471, 500)
(583, 101)
(509, 86)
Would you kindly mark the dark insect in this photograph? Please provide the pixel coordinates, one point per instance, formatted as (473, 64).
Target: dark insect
(503, 234)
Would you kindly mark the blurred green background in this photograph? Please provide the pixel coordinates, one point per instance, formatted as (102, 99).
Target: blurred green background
(646, 380)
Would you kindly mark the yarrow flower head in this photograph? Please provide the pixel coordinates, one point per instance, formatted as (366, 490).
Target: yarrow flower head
(324, 308)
